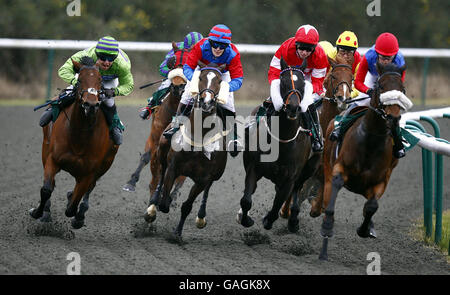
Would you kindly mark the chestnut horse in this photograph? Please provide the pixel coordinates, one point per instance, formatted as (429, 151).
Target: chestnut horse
(79, 143)
(162, 116)
(338, 85)
(293, 165)
(363, 161)
(196, 159)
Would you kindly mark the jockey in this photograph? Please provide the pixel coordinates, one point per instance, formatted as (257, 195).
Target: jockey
(346, 46)
(189, 41)
(218, 49)
(385, 51)
(115, 69)
(296, 50)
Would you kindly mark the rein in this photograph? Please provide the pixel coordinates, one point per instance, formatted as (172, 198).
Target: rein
(300, 128)
(288, 95)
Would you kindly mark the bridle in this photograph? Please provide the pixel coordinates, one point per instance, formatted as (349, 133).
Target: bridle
(293, 90)
(332, 78)
(214, 94)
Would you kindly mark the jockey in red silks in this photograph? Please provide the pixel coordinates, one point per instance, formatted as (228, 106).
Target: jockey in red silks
(385, 51)
(295, 51)
(218, 49)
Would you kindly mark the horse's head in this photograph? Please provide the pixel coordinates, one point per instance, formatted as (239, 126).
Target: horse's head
(292, 88)
(209, 86)
(339, 80)
(89, 84)
(175, 65)
(390, 91)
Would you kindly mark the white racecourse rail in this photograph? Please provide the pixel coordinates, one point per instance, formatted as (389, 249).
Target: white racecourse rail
(166, 46)
(440, 146)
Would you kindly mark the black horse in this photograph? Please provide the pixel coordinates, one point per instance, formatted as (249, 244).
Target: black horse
(195, 159)
(293, 166)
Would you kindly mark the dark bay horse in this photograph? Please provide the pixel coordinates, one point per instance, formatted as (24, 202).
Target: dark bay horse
(161, 117)
(338, 85)
(293, 165)
(363, 161)
(196, 159)
(79, 143)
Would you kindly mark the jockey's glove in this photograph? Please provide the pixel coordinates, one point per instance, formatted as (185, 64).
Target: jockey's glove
(109, 92)
(370, 92)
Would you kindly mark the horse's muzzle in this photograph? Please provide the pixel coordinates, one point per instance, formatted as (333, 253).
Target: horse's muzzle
(90, 108)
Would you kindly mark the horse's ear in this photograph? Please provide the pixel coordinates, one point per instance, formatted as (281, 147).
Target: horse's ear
(201, 64)
(222, 67)
(171, 62)
(284, 65)
(174, 46)
(331, 61)
(76, 66)
(379, 67)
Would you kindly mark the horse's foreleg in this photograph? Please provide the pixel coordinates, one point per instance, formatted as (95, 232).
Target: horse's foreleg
(187, 206)
(280, 197)
(82, 186)
(200, 222)
(78, 221)
(143, 161)
(50, 170)
(169, 179)
(331, 191)
(367, 228)
(251, 178)
(294, 211)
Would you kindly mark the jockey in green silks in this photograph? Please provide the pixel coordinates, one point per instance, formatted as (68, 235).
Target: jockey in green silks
(117, 80)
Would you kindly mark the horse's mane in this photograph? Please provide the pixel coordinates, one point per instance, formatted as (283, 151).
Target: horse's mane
(87, 61)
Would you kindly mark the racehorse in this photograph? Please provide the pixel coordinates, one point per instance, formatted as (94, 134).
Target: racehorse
(293, 165)
(363, 162)
(78, 143)
(338, 85)
(201, 161)
(162, 116)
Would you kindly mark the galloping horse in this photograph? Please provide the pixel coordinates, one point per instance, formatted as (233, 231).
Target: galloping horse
(78, 143)
(338, 85)
(293, 165)
(162, 116)
(363, 161)
(202, 161)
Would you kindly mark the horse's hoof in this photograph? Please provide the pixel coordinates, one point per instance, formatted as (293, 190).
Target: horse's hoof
(150, 215)
(246, 222)
(266, 223)
(284, 214)
(372, 234)
(129, 188)
(363, 233)
(77, 224)
(200, 222)
(71, 212)
(164, 208)
(293, 226)
(34, 213)
(46, 217)
(314, 214)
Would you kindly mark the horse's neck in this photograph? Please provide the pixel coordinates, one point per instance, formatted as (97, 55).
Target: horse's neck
(328, 111)
(374, 125)
(81, 129)
(197, 125)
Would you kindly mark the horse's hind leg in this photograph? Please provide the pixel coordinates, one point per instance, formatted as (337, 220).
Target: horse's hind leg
(130, 186)
(81, 188)
(178, 184)
(280, 198)
(200, 222)
(50, 170)
(187, 206)
(78, 221)
(294, 211)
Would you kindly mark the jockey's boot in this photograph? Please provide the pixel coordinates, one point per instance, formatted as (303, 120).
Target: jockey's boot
(398, 149)
(182, 108)
(316, 139)
(46, 117)
(65, 98)
(336, 133)
(145, 112)
(115, 133)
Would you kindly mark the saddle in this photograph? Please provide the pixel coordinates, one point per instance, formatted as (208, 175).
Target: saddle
(347, 121)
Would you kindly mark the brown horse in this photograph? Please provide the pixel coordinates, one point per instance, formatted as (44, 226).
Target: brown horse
(79, 143)
(161, 117)
(338, 85)
(196, 159)
(293, 164)
(363, 161)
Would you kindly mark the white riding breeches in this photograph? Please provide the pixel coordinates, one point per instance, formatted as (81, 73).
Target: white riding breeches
(369, 81)
(187, 99)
